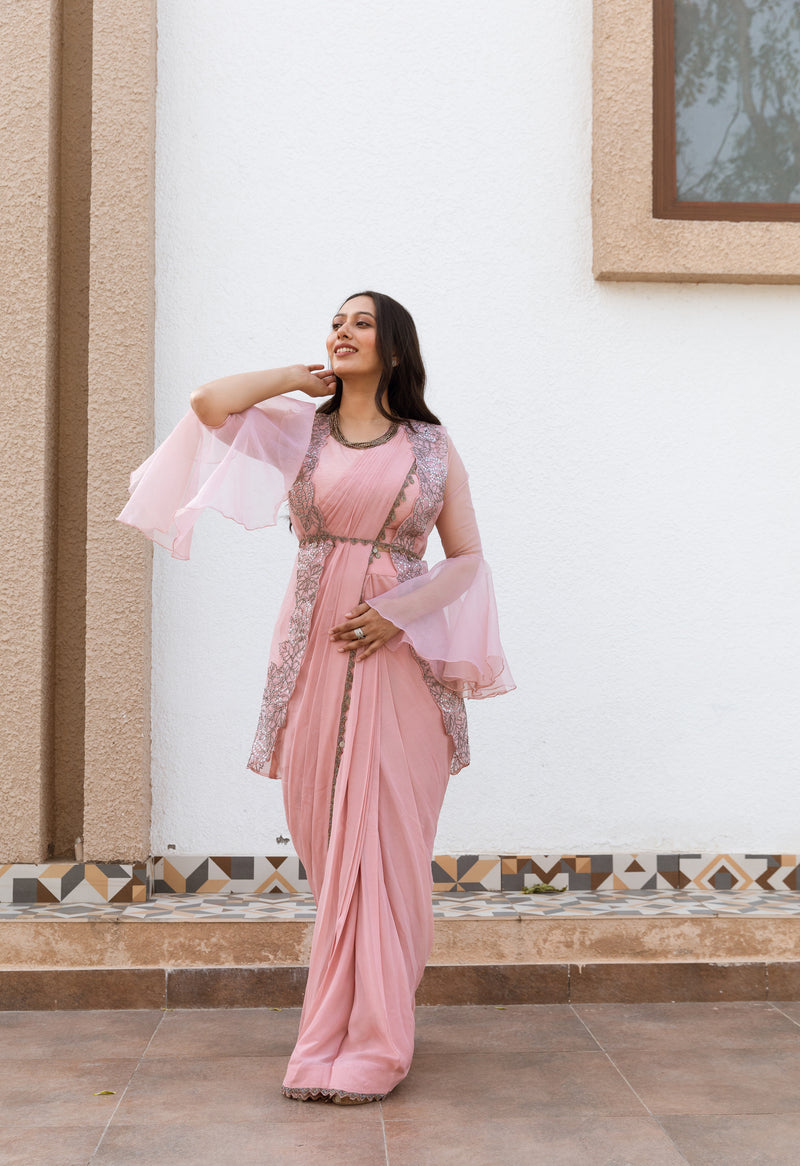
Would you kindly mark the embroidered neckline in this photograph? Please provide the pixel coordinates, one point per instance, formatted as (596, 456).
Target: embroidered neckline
(340, 437)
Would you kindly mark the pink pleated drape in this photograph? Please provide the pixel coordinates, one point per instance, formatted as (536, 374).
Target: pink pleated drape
(364, 750)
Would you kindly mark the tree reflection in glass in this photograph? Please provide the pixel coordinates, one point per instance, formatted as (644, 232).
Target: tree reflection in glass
(737, 100)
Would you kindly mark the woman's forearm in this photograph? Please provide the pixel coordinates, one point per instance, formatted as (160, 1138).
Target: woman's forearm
(216, 400)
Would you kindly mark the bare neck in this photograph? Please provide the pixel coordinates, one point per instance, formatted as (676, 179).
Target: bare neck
(357, 405)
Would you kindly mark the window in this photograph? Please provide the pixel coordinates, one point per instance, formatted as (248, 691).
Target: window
(726, 109)
(633, 240)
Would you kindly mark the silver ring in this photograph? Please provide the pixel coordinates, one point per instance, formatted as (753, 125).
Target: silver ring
(358, 633)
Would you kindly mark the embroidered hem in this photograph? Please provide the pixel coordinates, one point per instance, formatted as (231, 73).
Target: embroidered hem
(282, 675)
(328, 1094)
(429, 443)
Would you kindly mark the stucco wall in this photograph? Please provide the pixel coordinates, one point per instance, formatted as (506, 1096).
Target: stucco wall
(632, 447)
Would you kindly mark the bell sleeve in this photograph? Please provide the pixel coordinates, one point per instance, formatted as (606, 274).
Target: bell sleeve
(449, 615)
(243, 469)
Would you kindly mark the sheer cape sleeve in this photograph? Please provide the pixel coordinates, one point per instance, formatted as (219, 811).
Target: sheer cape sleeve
(244, 469)
(449, 614)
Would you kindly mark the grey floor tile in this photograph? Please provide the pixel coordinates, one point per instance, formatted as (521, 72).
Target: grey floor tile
(507, 1085)
(661, 1027)
(749, 1140)
(37, 1145)
(717, 1081)
(226, 1032)
(790, 1008)
(74, 1034)
(569, 1139)
(333, 1141)
(62, 1093)
(512, 1028)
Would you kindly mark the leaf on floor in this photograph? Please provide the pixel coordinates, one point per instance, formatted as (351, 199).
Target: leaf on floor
(105, 1093)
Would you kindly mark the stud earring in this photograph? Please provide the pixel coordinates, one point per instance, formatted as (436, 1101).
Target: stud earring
(394, 362)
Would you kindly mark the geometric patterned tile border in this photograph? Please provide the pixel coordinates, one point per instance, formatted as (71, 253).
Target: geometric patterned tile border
(76, 882)
(234, 874)
(653, 872)
(198, 907)
(464, 874)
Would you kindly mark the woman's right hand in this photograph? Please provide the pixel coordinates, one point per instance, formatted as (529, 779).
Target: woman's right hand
(315, 380)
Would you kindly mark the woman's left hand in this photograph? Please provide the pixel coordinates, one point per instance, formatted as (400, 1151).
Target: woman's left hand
(377, 631)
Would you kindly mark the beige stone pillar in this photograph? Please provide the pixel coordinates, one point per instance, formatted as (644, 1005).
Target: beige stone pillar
(119, 436)
(29, 79)
(75, 166)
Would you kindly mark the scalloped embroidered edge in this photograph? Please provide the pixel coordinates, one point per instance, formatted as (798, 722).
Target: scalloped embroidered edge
(429, 443)
(312, 1094)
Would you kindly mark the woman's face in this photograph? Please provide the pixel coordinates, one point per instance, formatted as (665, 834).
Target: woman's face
(352, 343)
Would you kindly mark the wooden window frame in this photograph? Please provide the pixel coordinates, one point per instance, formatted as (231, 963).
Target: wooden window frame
(666, 204)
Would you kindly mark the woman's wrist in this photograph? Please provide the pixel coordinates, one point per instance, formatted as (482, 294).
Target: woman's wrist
(283, 380)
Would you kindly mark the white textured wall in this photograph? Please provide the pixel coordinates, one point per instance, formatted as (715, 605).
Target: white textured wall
(633, 448)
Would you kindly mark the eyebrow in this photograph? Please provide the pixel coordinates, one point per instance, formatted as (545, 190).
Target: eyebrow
(338, 314)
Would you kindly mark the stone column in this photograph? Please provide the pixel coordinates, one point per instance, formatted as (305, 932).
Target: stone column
(119, 435)
(29, 124)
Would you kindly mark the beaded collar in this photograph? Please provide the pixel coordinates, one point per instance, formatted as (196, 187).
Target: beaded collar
(339, 436)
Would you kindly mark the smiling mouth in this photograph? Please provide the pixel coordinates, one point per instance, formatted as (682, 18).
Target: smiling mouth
(345, 350)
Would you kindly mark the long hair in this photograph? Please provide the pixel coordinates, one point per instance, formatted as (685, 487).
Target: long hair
(404, 384)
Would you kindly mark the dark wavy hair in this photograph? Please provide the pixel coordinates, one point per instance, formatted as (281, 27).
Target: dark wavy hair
(404, 385)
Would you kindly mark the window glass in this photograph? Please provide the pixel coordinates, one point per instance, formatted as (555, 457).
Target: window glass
(737, 100)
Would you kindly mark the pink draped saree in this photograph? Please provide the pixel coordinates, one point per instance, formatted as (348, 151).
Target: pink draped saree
(364, 748)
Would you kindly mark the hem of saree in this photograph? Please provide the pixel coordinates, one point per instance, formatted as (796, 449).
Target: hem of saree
(313, 1094)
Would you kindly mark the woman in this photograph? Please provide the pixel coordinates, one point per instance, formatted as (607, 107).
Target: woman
(363, 714)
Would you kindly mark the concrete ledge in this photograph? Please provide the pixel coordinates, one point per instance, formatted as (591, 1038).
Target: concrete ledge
(282, 987)
(32, 943)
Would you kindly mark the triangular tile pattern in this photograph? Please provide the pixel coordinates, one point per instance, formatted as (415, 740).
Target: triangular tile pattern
(199, 874)
(632, 872)
(518, 872)
(76, 882)
(466, 872)
(779, 872)
(590, 872)
(718, 872)
(237, 874)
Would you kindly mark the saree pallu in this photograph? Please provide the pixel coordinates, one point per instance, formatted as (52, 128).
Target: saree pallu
(364, 749)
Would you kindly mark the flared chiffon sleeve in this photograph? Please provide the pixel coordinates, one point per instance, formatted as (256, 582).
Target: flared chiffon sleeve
(449, 614)
(244, 469)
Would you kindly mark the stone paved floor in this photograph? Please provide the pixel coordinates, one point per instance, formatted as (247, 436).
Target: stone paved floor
(556, 1085)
